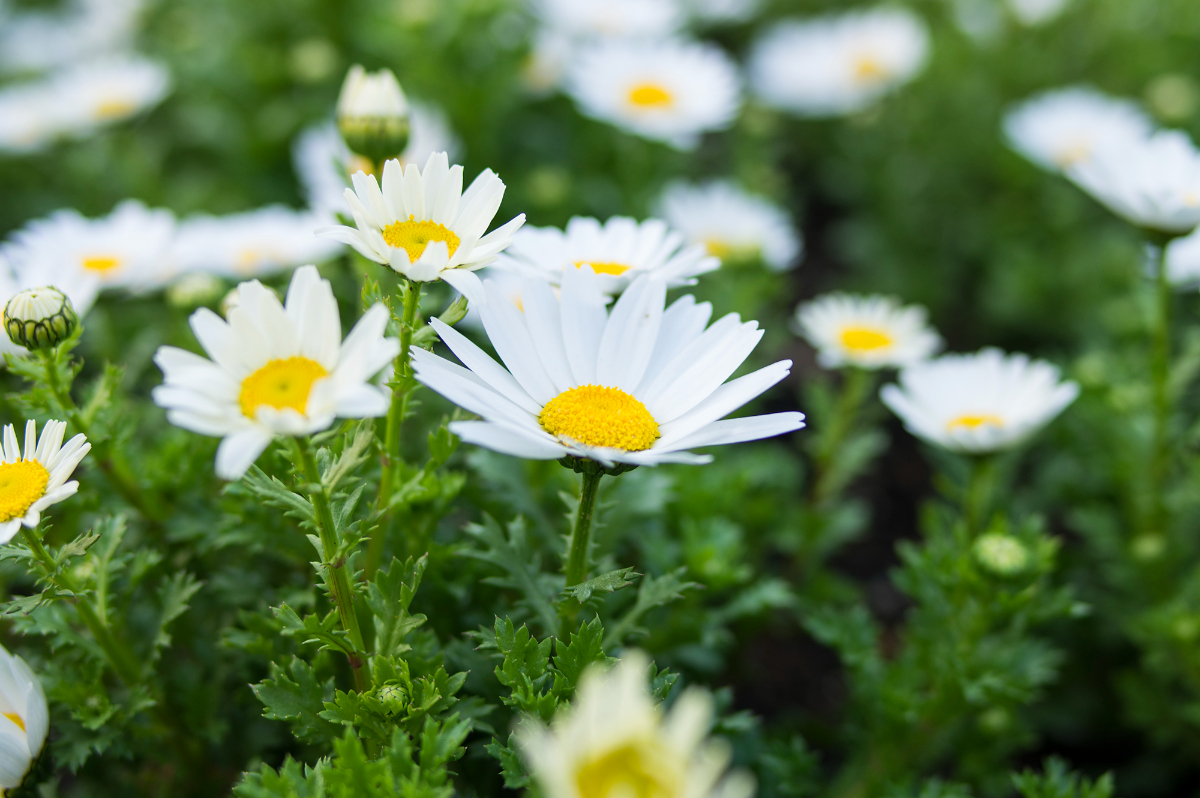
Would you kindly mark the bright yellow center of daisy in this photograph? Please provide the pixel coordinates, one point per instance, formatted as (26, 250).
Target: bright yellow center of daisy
(21, 484)
(631, 771)
(114, 108)
(650, 95)
(101, 263)
(867, 68)
(599, 416)
(413, 236)
(969, 421)
(864, 339)
(281, 383)
(603, 267)
(15, 718)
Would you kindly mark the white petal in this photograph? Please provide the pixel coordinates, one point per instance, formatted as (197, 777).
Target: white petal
(239, 450)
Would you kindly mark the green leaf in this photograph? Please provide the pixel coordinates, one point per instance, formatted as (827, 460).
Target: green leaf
(605, 583)
(653, 592)
(293, 780)
(296, 696)
(313, 628)
(352, 774)
(522, 566)
(273, 493)
(584, 649)
(173, 597)
(355, 453)
(389, 597)
(512, 767)
(1057, 781)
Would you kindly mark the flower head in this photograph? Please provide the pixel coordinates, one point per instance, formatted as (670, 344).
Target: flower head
(732, 223)
(275, 369)
(640, 385)
(372, 114)
(251, 244)
(870, 332)
(25, 718)
(587, 19)
(982, 402)
(1057, 129)
(83, 29)
(30, 484)
(39, 318)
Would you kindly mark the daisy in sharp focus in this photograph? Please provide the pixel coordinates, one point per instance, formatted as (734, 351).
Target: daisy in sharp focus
(251, 244)
(275, 369)
(838, 64)
(732, 223)
(640, 385)
(869, 332)
(32, 482)
(978, 403)
(1060, 128)
(423, 225)
(670, 91)
(26, 719)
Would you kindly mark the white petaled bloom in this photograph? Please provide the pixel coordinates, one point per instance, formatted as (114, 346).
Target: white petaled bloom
(251, 244)
(27, 123)
(1036, 12)
(587, 19)
(546, 64)
(32, 482)
(36, 40)
(423, 225)
(371, 94)
(838, 64)
(618, 252)
(1183, 261)
(668, 91)
(732, 223)
(869, 332)
(25, 719)
(1057, 129)
(1153, 182)
(640, 385)
(275, 369)
(614, 741)
(978, 403)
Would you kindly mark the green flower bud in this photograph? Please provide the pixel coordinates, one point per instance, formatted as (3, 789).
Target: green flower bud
(1001, 554)
(372, 114)
(40, 318)
(393, 697)
(455, 313)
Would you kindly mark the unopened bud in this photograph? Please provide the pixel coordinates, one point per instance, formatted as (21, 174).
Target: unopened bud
(40, 318)
(455, 313)
(393, 697)
(372, 114)
(1001, 554)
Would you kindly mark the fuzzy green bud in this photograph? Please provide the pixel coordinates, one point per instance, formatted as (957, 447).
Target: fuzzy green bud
(372, 114)
(40, 318)
(393, 697)
(1001, 554)
(455, 313)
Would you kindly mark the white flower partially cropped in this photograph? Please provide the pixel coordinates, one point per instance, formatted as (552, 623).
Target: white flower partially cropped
(618, 251)
(615, 741)
(870, 332)
(37, 40)
(838, 64)
(25, 719)
(732, 223)
(32, 482)
(586, 19)
(978, 403)
(251, 244)
(26, 121)
(423, 225)
(275, 369)
(1057, 129)
(669, 91)
(1153, 182)
(1183, 261)
(640, 385)
(8, 289)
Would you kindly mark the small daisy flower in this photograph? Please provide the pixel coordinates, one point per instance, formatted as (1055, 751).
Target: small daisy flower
(1153, 182)
(978, 403)
(588, 19)
(732, 223)
(251, 244)
(614, 740)
(870, 332)
(838, 64)
(423, 225)
(26, 718)
(640, 385)
(39, 40)
(667, 91)
(618, 252)
(30, 484)
(1057, 129)
(275, 369)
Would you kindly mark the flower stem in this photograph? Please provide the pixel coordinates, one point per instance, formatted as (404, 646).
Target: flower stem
(335, 568)
(855, 387)
(1160, 369)
(977, 498)
(577, 553)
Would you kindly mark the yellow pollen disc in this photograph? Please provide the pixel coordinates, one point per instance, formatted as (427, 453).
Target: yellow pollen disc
(868, 69)
(414, 236)
(15, 718)
(974, 421)
(599, 416)
(101, 264)
(864, 339)
(280, 383)
(650, 95)
(631, 771)
(604, 267)
(114, 109)
(21, 484)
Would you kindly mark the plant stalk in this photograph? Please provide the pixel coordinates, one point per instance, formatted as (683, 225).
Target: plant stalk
(1160, 368)
(855, 387)
(577, 552)
(977, 498)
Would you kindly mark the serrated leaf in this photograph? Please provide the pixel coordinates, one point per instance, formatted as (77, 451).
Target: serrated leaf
(653, 592)
(274, 493)
(173, 596)
(356, 452)
(584, 649)
(512, 767)
(295, 695)
(512, 554)
(389, 596)
(605, 583)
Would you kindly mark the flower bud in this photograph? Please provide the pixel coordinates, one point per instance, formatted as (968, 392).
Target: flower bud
(40, 318)
(393, 697)
(372, 114)
(455, 313)
(1001, 554)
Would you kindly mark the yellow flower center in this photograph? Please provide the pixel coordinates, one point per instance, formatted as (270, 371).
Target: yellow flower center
(114, 108)
(413, 236)
(631, 771)
(730, 251)
(15, 718)
(599, 416)
(21, 484)
(603, 267)
(281, 383)
(868, 69)
(864, 339)
(650, 95)
(969, 421)
(101, 263)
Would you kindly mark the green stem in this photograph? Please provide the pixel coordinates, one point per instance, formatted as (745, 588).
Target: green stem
(977, 498)
(855, 387)
(577, 553)
(1160, 369)
(335, 569)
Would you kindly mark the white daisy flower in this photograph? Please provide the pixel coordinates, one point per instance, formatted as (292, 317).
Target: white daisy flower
(668, 91)
(732, 223)
(838, 64)
(614, 740)
(1057, 129)
(1152, 182)
(27, 121)
(978, 403)
(546, 64)
(251, 244)
(26, 718)
(39, 40)
(275, 369)
(91, 95)
(870, 332)
(640, 385)
(618, 251)
(30, 484)
(423, 225)
(587, 19)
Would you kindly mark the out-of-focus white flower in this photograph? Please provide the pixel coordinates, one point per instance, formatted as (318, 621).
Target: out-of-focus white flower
(668, 90)
(614, 741)
(32, 482)
(722, 10)
(37, 40)
(589, 19)
(1057, 129)
(870, 332)
(1183, 261)
(27, 123)
(732, 223)
(838, 64)
(978, 403)
(8, 288)
(371, 94)
(618, 252)
(546, 64)
(1037, 12)
(1152, 182)
(251, 244)
(25, 719)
